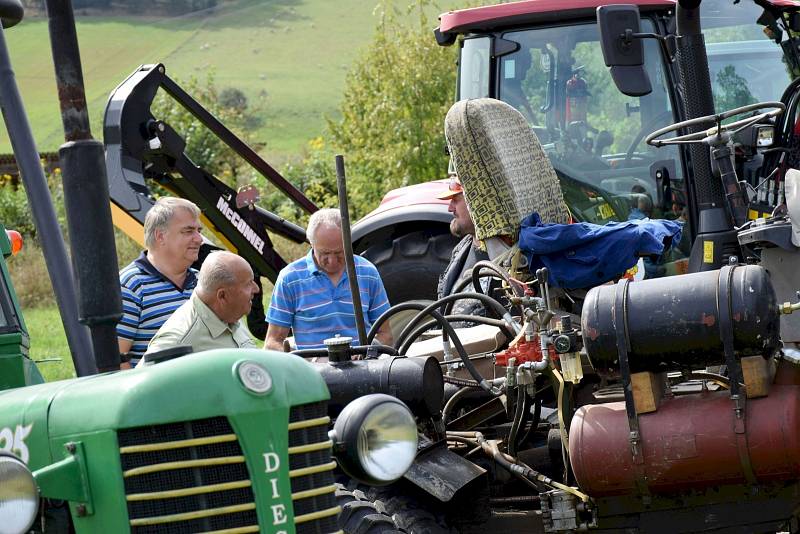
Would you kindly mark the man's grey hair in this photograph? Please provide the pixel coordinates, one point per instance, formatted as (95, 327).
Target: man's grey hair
(159, 216)
(323, 217)
(215, 272)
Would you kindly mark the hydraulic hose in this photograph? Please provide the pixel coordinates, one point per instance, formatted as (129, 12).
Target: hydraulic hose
(452, 401)
(464, 382)
(519, 414)
(722, 381)
(561, 421)
(512, 465)
(484, 264)
(424, 327)
(485, 299)
(537, 414)
(397, 308)
(447, 333)
(478, 272)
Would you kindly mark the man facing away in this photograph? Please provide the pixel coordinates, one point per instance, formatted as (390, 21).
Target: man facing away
(211, 318)
(465, 254)
(312, 295)
(160, 279)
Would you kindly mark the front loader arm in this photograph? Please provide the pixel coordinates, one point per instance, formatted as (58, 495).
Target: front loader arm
(140, 147)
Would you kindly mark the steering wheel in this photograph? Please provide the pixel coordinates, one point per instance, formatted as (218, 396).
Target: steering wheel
(658, 119)
(775, 109)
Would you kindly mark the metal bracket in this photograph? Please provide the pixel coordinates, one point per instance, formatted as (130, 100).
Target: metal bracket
(620, 322)
(68, 479)
(738, 396)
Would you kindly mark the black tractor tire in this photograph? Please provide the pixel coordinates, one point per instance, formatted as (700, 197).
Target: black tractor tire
(410, 512)
(410, 265)
(360, 515)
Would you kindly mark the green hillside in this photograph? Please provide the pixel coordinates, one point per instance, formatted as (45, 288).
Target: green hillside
(288, 56)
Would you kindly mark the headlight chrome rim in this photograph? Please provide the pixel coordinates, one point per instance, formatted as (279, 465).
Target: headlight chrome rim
(376, 439)
(19, 497)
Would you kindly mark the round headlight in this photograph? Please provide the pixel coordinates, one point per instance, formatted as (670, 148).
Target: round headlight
(375, 439)
(19, 496)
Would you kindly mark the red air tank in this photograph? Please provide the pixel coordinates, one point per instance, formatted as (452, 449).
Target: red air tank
(689, 442)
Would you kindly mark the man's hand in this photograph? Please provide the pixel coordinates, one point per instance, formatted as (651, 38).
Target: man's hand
(275, 337)
(384, 334)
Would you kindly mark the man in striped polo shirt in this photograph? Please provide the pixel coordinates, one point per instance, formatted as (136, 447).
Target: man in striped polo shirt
(160, 279)
(312, 295)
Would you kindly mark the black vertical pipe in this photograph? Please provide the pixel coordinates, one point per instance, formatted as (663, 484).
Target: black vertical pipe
(698, 99)
(86, 194)
(44, 215)
(348, 251)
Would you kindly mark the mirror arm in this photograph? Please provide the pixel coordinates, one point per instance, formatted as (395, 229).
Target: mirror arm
(628, 37)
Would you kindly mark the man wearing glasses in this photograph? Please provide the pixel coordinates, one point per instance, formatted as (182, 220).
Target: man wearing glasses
(312, 295)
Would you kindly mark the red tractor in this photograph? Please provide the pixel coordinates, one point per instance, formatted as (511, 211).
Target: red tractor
(669, 404)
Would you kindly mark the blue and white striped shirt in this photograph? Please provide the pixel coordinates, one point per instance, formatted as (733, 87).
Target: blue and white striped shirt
(148, 299)
(305, 300)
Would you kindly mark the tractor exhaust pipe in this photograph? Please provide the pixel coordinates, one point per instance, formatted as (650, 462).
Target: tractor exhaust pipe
(44, 215)
(341, 182)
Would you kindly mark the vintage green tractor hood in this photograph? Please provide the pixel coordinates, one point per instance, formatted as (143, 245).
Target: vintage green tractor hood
(36, 421)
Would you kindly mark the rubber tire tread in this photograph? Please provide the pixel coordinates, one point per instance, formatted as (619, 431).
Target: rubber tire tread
(419, 256)
(408, 512)
(360, 515)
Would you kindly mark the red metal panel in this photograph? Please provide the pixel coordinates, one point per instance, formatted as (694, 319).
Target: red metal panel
(412, 195)
(464, 19)
(688, 443)
(784, 3)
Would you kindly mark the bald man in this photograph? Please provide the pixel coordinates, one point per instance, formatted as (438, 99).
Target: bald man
(211, 318)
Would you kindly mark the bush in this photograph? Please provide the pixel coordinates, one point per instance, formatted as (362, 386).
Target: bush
(14, 211)
(391, 131)
(233, 98)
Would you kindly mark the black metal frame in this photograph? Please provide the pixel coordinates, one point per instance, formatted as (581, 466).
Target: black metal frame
(141, 147)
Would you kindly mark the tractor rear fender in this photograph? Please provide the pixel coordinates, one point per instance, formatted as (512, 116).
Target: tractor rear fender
(392, 223)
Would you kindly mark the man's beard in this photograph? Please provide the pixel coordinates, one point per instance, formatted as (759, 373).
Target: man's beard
(457, 229)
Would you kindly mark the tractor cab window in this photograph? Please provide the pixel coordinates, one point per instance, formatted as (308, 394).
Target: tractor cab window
(592, 133)
(745, 62)
(9, 321)
(473, 81)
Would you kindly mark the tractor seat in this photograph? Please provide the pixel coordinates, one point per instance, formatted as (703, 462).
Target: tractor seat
(504, 170)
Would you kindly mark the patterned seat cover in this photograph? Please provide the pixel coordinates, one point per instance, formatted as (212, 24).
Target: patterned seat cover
(505, 173)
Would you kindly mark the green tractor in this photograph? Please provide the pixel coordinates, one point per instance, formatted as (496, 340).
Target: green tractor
(227, 441)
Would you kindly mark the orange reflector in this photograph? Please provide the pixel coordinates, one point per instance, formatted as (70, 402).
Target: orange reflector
(16, 241)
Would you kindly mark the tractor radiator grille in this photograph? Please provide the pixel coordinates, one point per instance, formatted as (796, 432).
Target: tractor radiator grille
(311, 470)
(192, 476)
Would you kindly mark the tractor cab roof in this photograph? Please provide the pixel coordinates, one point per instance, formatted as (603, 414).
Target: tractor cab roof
(530, 11)
(494, 17)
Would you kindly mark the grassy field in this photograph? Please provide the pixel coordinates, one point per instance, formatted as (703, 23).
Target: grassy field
(289, 57)
(48, 341)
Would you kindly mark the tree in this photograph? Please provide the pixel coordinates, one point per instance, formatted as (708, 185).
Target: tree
(202, 146)
(391, 130)
(732, 91)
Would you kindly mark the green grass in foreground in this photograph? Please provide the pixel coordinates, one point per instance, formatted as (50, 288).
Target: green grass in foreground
(49, 341)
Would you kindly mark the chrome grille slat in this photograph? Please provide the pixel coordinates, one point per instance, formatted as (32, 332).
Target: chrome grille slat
(192, 477)
(311, 470)
(187, 477)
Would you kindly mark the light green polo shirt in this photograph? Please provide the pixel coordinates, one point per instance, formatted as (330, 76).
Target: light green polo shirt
(195, 324)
